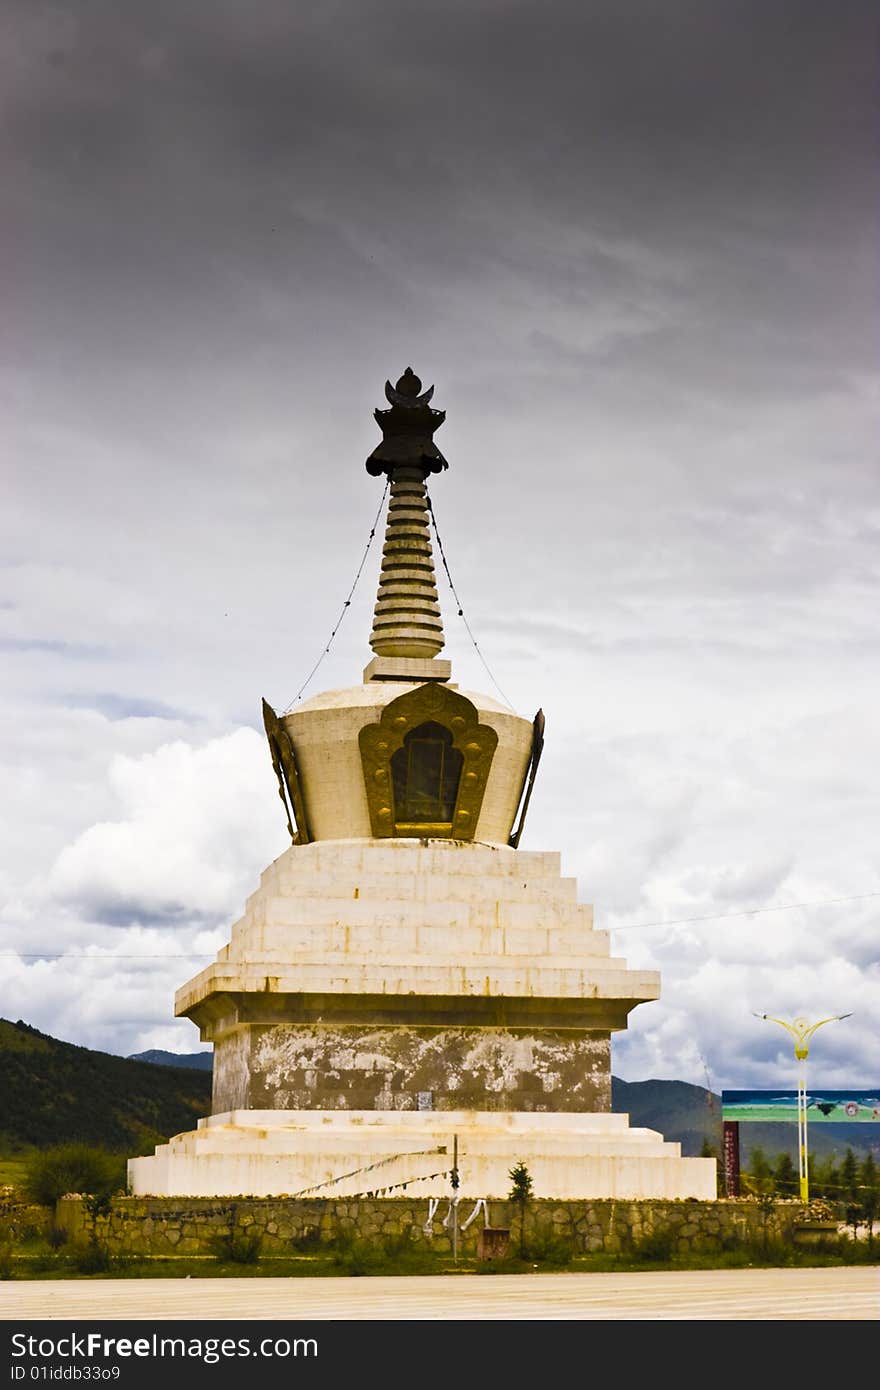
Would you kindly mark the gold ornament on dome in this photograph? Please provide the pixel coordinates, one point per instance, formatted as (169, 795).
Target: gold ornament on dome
(426, 764)
(284, 763)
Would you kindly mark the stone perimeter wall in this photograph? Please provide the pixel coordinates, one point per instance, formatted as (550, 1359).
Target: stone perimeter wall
(161, 1226)
(20, 1220)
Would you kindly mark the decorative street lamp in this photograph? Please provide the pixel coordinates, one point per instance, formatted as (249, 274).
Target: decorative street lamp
(802, 1031)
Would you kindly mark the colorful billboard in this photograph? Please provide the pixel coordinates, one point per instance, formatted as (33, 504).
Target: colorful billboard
(830, 1107)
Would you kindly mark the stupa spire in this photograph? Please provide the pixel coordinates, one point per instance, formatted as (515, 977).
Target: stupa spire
(407, 620)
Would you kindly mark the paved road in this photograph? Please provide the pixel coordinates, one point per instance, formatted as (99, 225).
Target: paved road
(840, 1294)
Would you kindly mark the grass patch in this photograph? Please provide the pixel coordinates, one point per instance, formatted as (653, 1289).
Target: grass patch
(89, 1257)
(12, 1170)
(356, 1259)
(657, 1247)
(551, 1250)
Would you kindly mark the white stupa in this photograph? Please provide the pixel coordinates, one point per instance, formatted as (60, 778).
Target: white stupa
(406, 982)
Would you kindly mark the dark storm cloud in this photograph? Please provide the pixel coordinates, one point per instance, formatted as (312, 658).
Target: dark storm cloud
(172, 165)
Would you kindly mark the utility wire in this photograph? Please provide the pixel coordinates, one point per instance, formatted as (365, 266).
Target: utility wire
(747, 912)
(458, 600)
(346, 605)
(631, 926)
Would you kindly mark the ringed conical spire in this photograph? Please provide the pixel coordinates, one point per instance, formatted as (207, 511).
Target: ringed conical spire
(407, 620)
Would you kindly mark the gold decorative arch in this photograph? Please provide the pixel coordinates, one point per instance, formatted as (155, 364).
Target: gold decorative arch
(379, 742)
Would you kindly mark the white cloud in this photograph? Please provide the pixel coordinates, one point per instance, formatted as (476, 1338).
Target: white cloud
(195, 824)
(136, 904)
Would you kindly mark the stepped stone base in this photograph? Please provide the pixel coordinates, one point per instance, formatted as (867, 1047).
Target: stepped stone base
(365, 974)
(347, 1153)
(380, 999)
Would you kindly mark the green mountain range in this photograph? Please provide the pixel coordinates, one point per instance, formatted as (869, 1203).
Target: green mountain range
(52, 1092)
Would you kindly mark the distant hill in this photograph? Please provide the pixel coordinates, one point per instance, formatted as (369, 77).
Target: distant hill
(53, 1091)
(202, 1061)
(679, 1111)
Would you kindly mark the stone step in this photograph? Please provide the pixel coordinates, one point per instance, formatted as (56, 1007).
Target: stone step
(489, 978)
(455, 939)
(444, 916)
(294, 956)
(231, 1140)
(408, 856)
(379, 1123)
(339, 1154)
(415, 887)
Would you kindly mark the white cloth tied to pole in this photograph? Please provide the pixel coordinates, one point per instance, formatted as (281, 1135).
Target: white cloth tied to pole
(433, 1204)
(453, 1206)
(481, 1203)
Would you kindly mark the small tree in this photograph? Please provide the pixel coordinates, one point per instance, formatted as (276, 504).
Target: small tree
(849, 1177)
(766, 1206)
(824, 1178)
(520, 1192)
(870, 1190)
(760, 1175)
(868, 1176)
(785, 1177)
(870, 1203)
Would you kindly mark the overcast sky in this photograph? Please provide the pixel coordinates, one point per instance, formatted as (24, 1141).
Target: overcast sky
(634, 245)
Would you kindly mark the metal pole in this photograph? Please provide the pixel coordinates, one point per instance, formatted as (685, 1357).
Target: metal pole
(803, 1170)
(802, 1031)
(455, 1199)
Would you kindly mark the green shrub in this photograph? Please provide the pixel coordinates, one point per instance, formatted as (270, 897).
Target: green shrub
(308, 1240)
(358, 1258)
(46, 1262)
(5, 1260)
(52, 1173)
(397, 1247)
(656, 1245)
(546, 1249)
(90, 1257)
(353, 1256)
(238, 1248)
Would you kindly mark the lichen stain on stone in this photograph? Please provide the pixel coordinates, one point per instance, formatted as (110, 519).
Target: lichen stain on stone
(386, 1067)
(501, 1058)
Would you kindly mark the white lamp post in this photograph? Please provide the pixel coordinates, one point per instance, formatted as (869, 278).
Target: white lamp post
(802, 1031)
